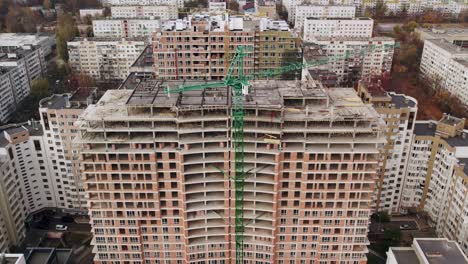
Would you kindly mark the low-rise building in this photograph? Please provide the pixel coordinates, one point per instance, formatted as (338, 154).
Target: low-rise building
(104, 58)
(427, 251)
(321, 11)
(360, 27)
(125, 28)
(164, 12)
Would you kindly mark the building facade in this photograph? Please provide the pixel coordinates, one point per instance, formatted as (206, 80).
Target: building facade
(360, 27)
(125, 28)
(149, 166)
(291, 5)
(436, 180)
(163, 12)
(202, 46)
(18, 69)
(446, 64)
(178, 3)
(104, 58)
(352, 58)
(399, 112)
(321, 11)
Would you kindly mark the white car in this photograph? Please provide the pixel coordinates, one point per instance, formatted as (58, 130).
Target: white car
(61, 227)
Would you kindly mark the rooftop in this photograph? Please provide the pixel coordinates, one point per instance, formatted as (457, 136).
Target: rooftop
(425, 128)
(449, 47)
(33, 127)
(449, 32)
(76, 100)
(441, 251)
(402, 101)
(307, 99)
(405, 256)
(48, 256)
(20, 39)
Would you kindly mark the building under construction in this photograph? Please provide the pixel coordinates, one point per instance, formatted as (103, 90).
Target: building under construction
(157, 170)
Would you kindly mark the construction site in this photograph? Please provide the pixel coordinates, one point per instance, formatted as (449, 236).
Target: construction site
(160, 170)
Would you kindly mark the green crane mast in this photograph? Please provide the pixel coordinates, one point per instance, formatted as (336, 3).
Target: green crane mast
(239, 86)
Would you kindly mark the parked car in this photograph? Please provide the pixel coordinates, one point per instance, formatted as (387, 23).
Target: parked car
(405, 226)
(61, 227)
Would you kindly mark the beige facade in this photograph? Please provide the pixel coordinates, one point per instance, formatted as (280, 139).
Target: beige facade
(399, 112)
(150, 167)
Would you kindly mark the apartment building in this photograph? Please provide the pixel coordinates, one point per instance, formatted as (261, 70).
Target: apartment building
(360, 27)
(351, 58)
(291, 5)
(104, 58)
(201, 46)
(163, 12)
(125, 28)
(399, 112)
(149, 164)
(92, 12)
(321, 11)
(436, 178)
(447, 64)
(415, 7)
(10, 42)
(178, 3)
(17, 71)
(58, 116)
(25, 183)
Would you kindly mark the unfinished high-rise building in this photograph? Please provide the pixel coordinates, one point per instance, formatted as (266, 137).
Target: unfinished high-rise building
(202, 46)
(157, 172)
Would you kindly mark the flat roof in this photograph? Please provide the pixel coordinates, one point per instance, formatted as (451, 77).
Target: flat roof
(425, 128)
(48, 255)
(402, 101)
(268, 94)
(405, 255)
(448, 46)
(441, 251)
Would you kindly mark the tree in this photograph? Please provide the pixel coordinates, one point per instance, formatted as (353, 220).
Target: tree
(47, 4)
(380, 9)
(282, 12)
(66, 30)
(233, 5)
(107, 11)
(89, 32)
(392, 237)
(88, 20)
(40, 88)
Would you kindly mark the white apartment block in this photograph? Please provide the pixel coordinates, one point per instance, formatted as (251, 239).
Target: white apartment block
(360, 27)
(437, 176)
(399, 112)
(164, 12)
(10, 42)
(321, 11)
(104, 58)
(25, 184)
(447, 64)
(125, 28)
(178, 3)
(291, 5)
(93, 12)
(352, 58)
(58, 116)
(414, 7)
(17, 71)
